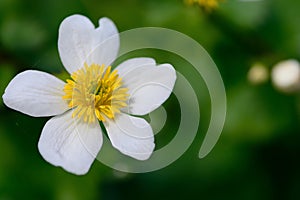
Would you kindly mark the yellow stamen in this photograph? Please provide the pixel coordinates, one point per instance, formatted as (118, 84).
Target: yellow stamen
(95, 92)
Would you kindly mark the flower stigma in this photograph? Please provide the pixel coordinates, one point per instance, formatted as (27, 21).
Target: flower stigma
(95, 92)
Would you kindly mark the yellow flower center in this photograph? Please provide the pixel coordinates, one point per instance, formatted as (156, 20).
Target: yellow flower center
(95, 92)
(206, 4)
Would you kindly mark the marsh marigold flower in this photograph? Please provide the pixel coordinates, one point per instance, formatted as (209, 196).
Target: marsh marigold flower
(94, 93)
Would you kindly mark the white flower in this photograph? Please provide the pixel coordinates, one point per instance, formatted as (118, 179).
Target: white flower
(286, 75)
(73, 137)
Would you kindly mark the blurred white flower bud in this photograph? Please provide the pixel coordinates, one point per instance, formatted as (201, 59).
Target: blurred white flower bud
(286, 75)
(258, 74)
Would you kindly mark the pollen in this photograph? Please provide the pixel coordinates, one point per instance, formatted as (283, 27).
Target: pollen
(95, 92)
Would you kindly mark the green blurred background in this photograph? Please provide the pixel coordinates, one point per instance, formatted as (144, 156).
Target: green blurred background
(257, 156)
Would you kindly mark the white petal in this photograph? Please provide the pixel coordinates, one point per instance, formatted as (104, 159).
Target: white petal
(149, 86)
(36, 94)
(132, 136)
(80, 42)
(70, 143)
(106, 43)
(132, 64)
